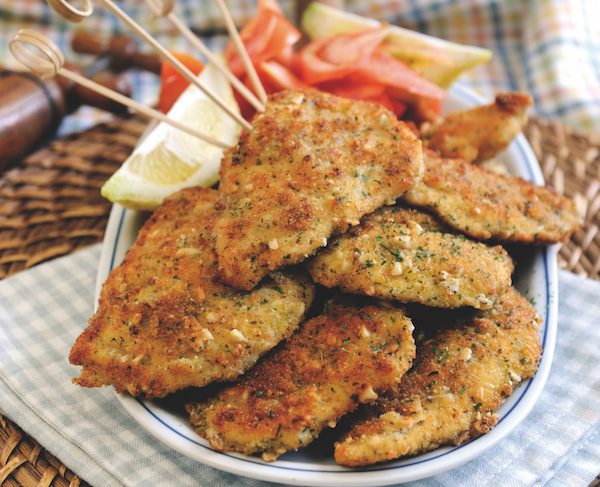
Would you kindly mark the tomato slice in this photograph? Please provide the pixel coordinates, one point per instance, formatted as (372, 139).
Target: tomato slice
(267, 35)
(398, 107)
(288, 57)
(274, 74)
(353, 87)
(314, 70)
(354, 48)
(403, 81)
(172, 84)
(336, 57)
(357, 87)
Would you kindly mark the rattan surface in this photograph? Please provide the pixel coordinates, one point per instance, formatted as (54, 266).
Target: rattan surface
(50, 206)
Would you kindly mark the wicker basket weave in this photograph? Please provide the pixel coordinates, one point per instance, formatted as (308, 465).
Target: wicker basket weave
(50, 206)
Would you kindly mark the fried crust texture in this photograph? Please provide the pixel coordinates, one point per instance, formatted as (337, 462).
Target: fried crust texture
(486, 205)
(312, 165)
(460, 378)
(344, 357)
(406, 255)
(163, 323)
(480, 133)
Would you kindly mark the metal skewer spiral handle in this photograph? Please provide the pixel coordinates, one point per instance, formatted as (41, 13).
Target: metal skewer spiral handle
(164, 8)
(43, 58)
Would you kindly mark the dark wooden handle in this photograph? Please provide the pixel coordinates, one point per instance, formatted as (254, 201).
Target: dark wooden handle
(122, 51)
(31, 109)
(30, 112)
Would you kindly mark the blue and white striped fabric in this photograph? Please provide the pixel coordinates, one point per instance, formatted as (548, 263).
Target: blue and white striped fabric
(548, 48)
(42, 311)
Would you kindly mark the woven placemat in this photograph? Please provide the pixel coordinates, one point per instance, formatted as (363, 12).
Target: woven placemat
(50, 206)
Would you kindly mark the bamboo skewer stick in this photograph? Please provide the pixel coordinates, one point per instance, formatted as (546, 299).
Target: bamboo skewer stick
(164, 8)
(241, 49)
(183, 70)
(178, 65)
(41, 56)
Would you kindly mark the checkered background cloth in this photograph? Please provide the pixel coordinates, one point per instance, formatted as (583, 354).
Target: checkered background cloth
(44, 309)
(548, 48)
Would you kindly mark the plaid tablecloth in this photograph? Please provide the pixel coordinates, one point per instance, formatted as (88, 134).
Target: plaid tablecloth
(548, 48)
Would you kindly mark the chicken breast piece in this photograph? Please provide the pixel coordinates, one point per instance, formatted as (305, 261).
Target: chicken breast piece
(486, 205)
(480, 133)
(460, 378)
(163, 323)
(409, 256)
(312, 165)
(337, 360)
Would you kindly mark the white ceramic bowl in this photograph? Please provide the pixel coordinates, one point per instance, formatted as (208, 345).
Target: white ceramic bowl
(536, 277)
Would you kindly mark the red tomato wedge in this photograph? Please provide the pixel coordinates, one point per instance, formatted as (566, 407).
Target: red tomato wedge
(353, 87)
(353, 48)
(282, 78)
(288, 58)
(408, 85)
(358, 88)
(336, 57)
(314, 70)
(265, 37)
(172, 84)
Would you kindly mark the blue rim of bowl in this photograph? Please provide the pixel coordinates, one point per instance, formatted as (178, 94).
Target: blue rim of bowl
(547, 349)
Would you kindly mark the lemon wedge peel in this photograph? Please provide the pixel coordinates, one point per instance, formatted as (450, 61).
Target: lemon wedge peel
(168, 159)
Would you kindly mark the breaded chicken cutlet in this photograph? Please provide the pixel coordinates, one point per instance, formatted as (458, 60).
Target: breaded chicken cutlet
(486, 205)
(312, 165)
(344, 357)
(409, 256)
(480, 133)
(163, 323)
(460, 378)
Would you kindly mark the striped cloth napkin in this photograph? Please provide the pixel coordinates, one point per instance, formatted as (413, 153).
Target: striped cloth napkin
(42, 311)
(548, 48)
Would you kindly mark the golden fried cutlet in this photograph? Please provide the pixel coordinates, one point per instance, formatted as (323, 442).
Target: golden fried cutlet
(163, 323)
(337, 360)
(407, 255)
(460, 378)
(480, 133)
(486, 205)
(312, 165)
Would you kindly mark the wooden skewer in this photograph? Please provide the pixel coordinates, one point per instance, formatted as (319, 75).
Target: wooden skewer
(164, 8)
(178, 65)
(42, 57)
(241, 49)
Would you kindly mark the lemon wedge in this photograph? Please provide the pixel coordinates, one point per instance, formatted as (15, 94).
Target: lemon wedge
(168, 159)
